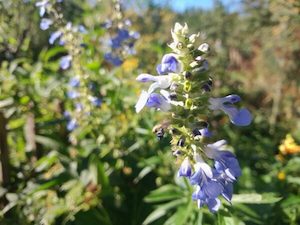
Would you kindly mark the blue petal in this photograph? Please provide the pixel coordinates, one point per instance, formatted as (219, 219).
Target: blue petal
(154, 100)
(72, 94)
(185, 169)
(169, 64)
(213, 205)
(159, 70)
(71, 125)
(232, 99)
(199, 194)
(242, 118)
(205, 132)
(45, 23)
(212, 189)
(146, 78)
(65, 62)
(227, 192)
(197, 177)
(42, 11)
(96, 101)
(54, 36)
(123, 34)
(74, 82)
(115, 60)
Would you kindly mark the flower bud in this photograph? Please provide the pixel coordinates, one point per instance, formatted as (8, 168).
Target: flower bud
(204, 48)
(187, 75)
(187, 86)
(179, 45)
(173, 96)
(181, 142)
(188, 103)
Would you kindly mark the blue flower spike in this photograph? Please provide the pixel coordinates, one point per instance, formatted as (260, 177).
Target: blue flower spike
(182, 90)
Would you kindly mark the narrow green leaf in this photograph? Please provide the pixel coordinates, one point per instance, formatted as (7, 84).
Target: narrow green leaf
(254, 198)
(164, 193)
(162, 210)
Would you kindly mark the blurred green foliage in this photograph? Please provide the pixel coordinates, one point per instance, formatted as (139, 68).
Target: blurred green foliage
(117, 172)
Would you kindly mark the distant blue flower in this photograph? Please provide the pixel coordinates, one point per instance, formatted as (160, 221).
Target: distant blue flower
(169, 64)
(115, 60)
(107, 24)
(54, 36)
(45, 23)
(116, 42)
(42, 5)
(65, 62)
(127, 22)
(123, 34)
(67, 114)
(239, 117)
(185, 168)
(134, 35)
(129, 50)
(72, 94)
(82, 29)
(74, 82)
(78, 107)
(72, 125)
(95, 101)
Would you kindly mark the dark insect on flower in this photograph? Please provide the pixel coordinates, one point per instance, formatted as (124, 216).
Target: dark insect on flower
(159, 129)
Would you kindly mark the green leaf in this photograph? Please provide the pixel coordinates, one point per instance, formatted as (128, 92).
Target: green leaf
(181, 215)
(254, 198)
(6, 102)
(162, 210)
(143, 173)
(164, 193)
(46, 141)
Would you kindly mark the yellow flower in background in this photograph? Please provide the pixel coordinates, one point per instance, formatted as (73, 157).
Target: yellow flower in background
(289, 146)
(130, 64)
(281, 175)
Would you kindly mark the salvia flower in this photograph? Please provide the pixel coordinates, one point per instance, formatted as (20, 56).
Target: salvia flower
(121, 39)
(45, 23)
(65, 62)
(169, 64)
(239, 117)
(54, 36)
(185, 169)
(42, 6)
(72, 125)
(182, 90)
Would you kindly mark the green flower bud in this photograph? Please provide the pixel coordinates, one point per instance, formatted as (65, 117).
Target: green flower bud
(188, 103)
(187, 86)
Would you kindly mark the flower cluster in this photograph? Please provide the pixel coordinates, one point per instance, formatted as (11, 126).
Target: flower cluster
(121, 39)
(64, 31)
(289, 146)
(81, 105)
(182, 89)
(81, 89)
